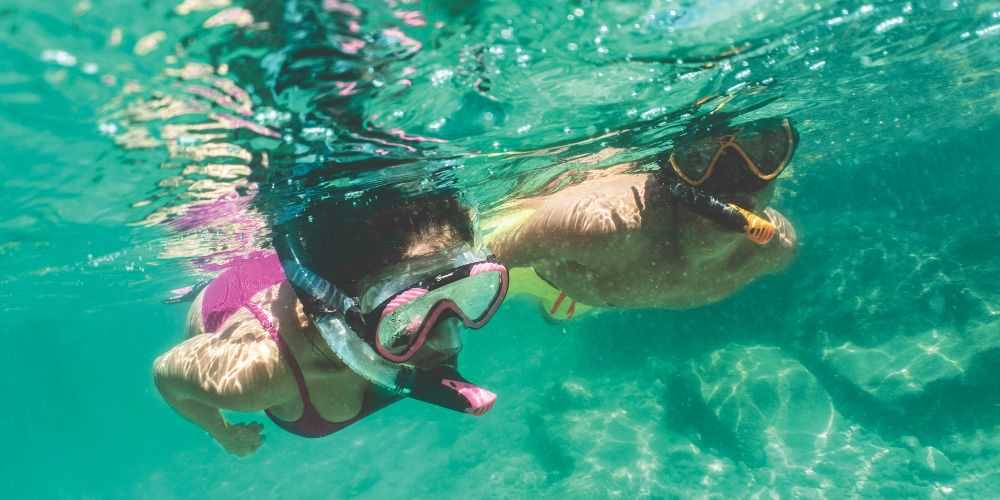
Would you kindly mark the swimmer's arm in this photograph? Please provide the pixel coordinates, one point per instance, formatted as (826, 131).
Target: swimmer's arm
(203, 415)
(587, 226)
(237, 369)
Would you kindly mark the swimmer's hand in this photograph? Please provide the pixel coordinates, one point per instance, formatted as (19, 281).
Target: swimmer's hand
(240, 439)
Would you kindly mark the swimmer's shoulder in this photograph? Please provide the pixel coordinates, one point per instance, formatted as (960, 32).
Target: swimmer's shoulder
(278, 301)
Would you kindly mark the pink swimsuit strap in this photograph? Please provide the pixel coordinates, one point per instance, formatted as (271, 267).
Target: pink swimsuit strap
(311, 423)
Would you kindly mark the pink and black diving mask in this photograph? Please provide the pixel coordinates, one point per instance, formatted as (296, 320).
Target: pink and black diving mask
(400, 326)
(378, 344)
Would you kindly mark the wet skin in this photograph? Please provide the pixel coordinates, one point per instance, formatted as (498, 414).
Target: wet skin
(240, 368)
(617, 240)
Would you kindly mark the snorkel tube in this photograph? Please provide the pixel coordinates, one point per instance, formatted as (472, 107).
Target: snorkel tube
(328, 307)
(727, 215)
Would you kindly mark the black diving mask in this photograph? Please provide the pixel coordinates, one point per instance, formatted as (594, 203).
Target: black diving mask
(742, 159)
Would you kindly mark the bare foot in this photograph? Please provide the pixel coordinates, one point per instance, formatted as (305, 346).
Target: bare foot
(241, 439)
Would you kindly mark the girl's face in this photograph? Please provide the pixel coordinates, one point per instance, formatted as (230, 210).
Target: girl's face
(444, 339)
(443, 344)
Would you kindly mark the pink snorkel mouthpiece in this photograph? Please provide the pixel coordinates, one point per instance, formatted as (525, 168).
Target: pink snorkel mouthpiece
(480, 400)
(443, 386)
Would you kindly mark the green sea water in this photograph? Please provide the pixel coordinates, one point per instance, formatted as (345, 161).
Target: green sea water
(868, 369)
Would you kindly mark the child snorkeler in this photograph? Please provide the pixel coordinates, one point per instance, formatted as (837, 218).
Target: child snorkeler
(361, 305)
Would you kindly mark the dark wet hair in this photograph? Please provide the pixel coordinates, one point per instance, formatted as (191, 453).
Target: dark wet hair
(346, 240)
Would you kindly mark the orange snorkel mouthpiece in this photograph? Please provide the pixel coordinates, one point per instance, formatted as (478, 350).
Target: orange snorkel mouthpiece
(758, 229)
(728, 215)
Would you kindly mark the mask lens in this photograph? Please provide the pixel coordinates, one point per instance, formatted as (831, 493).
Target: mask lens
(768, 143)
(732, 174)
(475, 295)
(399, 330)
(694, 162)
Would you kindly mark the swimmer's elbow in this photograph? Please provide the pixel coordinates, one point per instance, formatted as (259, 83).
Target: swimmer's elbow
(165, 384)
(176, 377)
(160, 369)
(165, 376)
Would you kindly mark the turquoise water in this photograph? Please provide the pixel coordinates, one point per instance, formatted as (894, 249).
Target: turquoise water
(867, 369)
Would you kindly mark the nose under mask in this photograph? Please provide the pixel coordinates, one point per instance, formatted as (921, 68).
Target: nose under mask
(444, 341)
